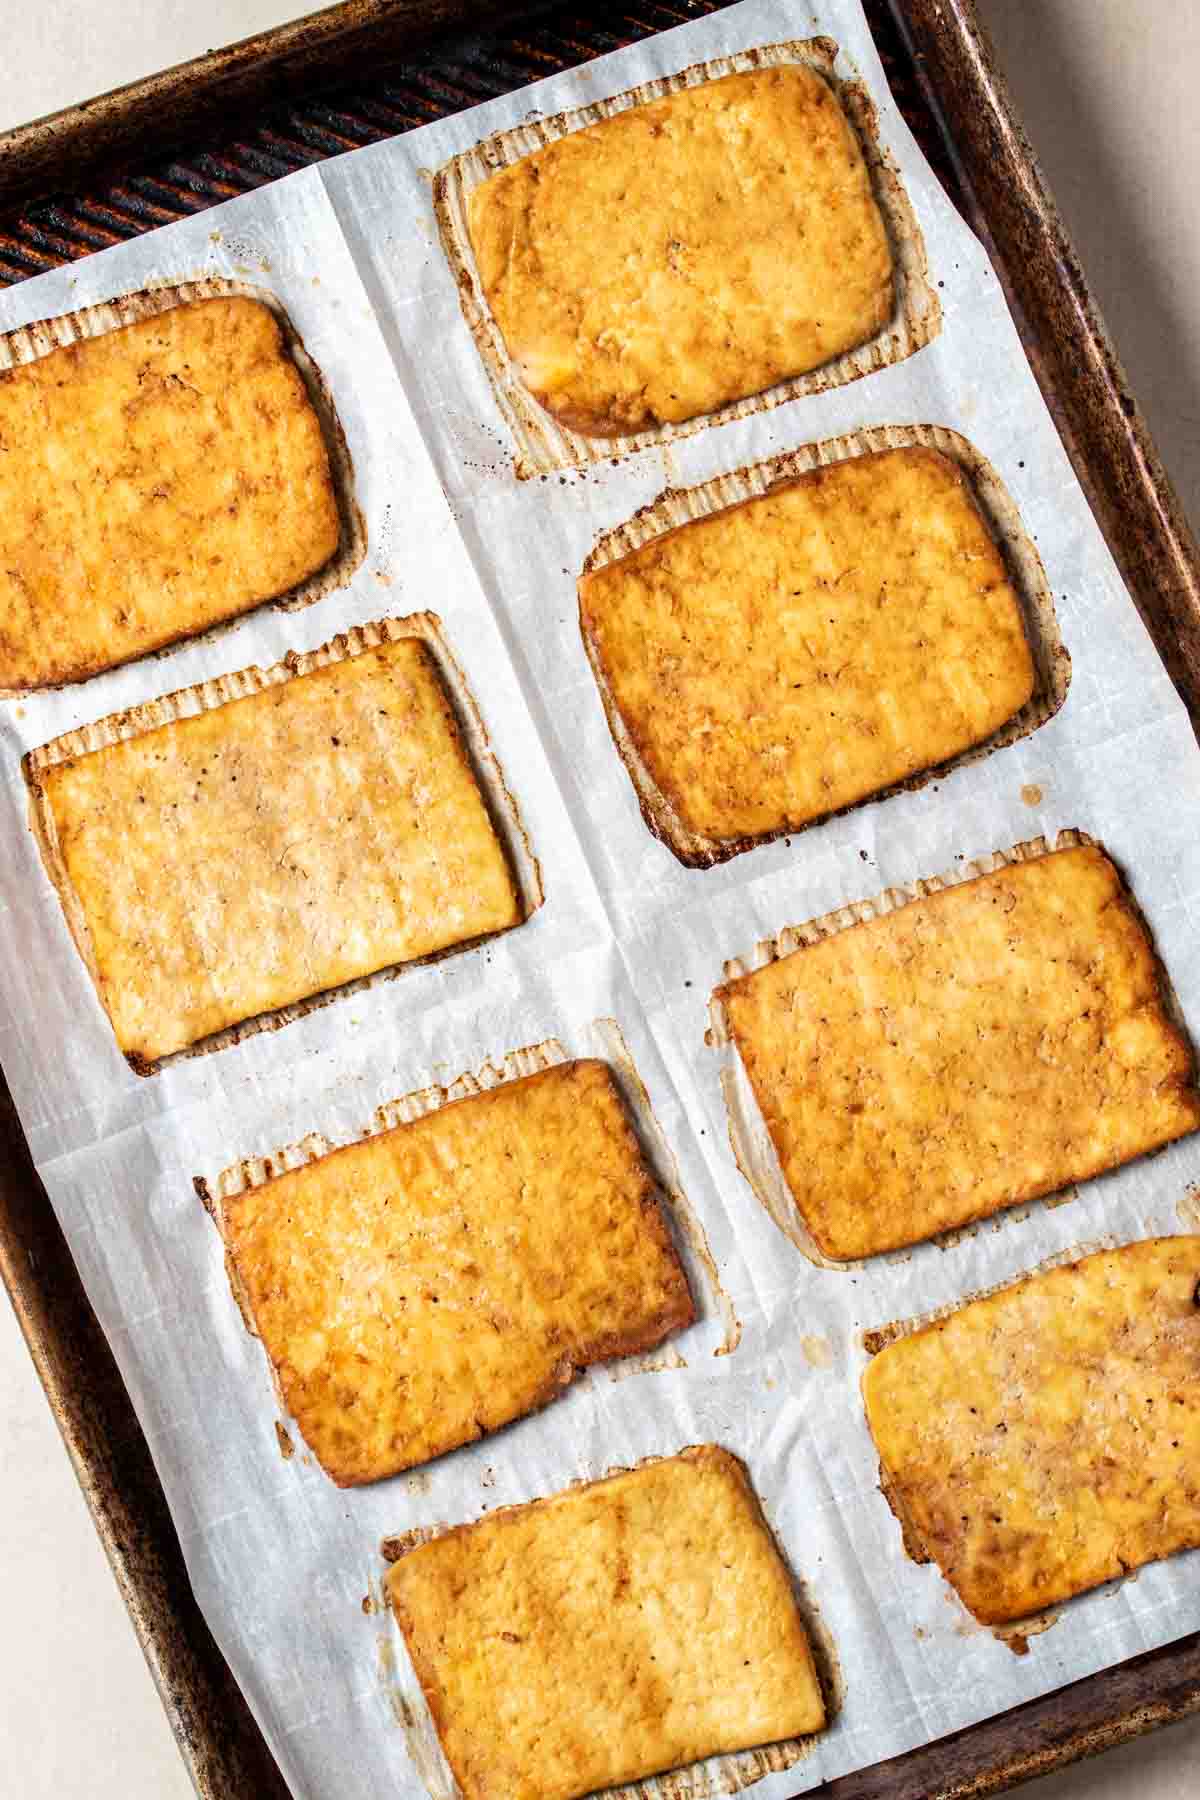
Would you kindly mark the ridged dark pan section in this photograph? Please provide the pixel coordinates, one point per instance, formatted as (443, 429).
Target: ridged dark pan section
(444, 77)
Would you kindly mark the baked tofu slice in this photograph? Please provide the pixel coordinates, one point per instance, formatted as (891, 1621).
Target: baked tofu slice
(612, 1631)
(684, 253)
(1047, 1439)
(229, 864)
(791, 655)
(985, 1045)
(155, 481)
(428, 1285)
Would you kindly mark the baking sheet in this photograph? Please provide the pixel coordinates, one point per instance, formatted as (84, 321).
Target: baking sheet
(281, 1561)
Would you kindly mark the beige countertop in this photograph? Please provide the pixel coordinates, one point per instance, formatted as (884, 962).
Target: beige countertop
(1108, 92)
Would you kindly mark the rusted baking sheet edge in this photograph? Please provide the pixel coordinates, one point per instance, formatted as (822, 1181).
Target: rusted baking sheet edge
(1118, 466)
(1068, 346)
(151, 115)
(225, 1754)
(1081, 1720)
(1115, 459)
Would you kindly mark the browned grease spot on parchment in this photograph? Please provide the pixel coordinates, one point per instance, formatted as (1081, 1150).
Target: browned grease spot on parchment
(764, 1176)
(420, 1735)
(283, 1438)
(424, 1752)
(818, 1351)
(1031, 794)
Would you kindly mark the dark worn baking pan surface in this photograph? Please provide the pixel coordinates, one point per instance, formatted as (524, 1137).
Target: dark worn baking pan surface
(186, 140)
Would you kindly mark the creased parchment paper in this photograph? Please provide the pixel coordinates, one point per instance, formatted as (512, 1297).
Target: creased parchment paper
(280, 1559)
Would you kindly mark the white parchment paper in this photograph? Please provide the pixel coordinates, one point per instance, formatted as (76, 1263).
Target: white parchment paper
(281, 1560)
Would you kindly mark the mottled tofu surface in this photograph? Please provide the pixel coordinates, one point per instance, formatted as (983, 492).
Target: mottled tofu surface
(154, 481)
(423, 1287)
(229, 864)
(634, 1625)
(1047, 1439)
(685, 253)
(985, 1045)
(791, 655)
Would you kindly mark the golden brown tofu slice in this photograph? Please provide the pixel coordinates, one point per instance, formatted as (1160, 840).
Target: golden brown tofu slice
(154, 481)
(684, 253)
(793, 654)
(228, 864)
(426, 1286)
(990, 1043)
(614, 1630)
(1047, 1439)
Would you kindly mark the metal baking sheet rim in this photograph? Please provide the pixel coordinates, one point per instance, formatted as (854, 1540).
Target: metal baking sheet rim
(1095, 1714)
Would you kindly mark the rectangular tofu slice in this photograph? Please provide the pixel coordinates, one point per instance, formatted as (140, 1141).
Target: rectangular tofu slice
(228, 864)
(990, 1043)
(793, 654)
(1046, 1439)
(609, 1632)
(154, 481)
(684, 253)
(424, 1287)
